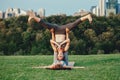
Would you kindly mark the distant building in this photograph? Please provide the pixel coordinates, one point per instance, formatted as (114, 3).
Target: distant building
(95, 10)
(23, 13)
(111, 7)
(10, 12)
(102, 7)
(109, 11)
(1, 15)
(106, 8)
(16, 11)
(112, 4)
(41, 12)
(58, 14)
(118, 8)
(80, 13)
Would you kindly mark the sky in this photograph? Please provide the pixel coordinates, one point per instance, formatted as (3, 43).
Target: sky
(68, 7)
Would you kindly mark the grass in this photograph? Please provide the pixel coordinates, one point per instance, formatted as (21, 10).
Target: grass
(97, 67)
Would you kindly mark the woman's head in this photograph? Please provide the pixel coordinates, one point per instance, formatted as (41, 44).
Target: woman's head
(60, 54)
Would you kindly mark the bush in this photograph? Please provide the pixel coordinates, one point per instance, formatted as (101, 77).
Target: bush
(93, 51)
(1, 53)
(20, 52)
(116, 51)
(35, 50)
(72, 52)
(100, 52)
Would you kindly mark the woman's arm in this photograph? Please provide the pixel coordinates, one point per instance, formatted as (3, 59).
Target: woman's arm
(67, 41)
(67, 45)
(55, 43)
(52, 41)
(53, 46)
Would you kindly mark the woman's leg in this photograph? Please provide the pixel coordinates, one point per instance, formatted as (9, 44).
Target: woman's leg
(39, 20)
(67, 45)
(76, 22)
(66, 57)
(55, 57)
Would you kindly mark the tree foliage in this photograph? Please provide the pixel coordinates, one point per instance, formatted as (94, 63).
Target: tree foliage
(17, 37)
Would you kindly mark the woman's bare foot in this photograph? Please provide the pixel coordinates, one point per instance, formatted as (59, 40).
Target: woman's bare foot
(88, 16)
(31, 15)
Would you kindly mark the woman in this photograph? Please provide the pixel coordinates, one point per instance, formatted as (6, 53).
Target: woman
(60, 49)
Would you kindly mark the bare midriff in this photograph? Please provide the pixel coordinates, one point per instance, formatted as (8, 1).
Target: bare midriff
(60, 37)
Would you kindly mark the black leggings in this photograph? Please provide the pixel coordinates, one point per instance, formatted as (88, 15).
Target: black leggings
(60, 29)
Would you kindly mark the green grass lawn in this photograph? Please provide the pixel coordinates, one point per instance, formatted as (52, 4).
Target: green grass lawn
(97, 67)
